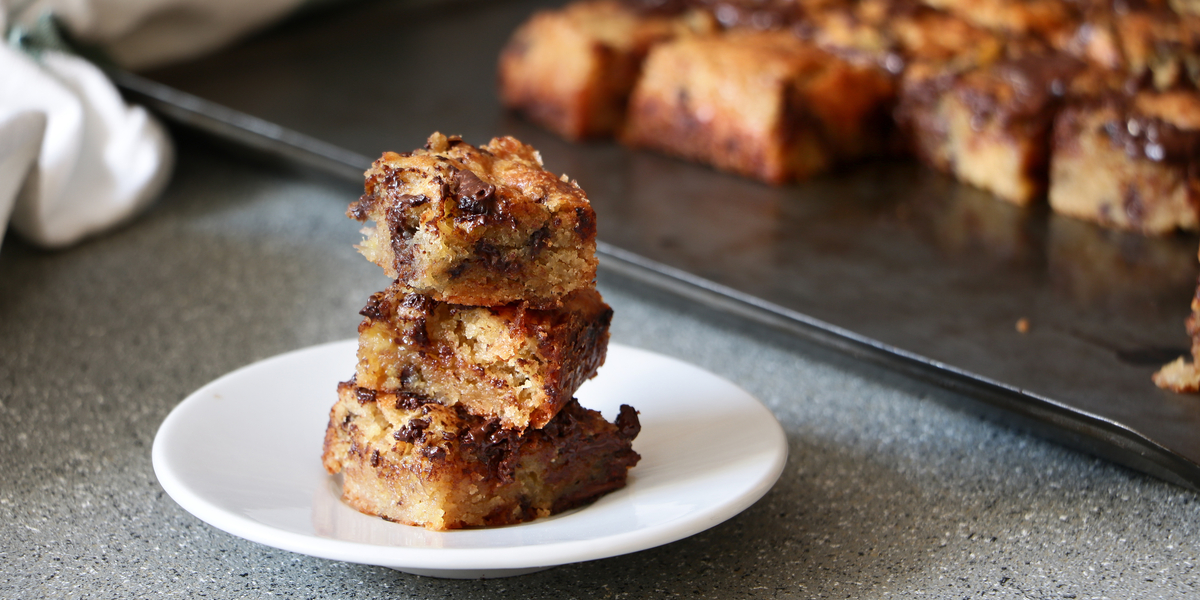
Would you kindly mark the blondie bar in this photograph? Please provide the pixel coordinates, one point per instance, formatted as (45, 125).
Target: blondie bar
(572, 69)
(759, 103)
(412, 460)
(481, 226)
(513, 363)
(1129, 162)
(989, 126)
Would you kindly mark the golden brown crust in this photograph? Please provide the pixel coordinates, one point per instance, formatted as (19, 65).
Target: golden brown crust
(513, 363)
(418, 462)
(761, 104)
(480, 226)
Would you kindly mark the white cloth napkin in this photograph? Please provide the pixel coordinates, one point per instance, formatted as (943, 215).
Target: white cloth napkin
(139, 34)
(75, 159)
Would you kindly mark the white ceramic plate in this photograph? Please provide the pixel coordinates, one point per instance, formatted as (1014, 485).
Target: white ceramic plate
(243, 454)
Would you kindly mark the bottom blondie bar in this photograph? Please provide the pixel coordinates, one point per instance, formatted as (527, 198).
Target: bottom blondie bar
(411, 460)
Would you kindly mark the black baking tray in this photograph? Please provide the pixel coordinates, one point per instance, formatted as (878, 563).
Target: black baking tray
(886, 260)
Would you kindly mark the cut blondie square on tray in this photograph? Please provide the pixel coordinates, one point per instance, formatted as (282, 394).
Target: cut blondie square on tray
(989, 126)
(513, 363)
(1128, 162)
(412, 460)
(759, 103)
(572, 69)
(481, 226)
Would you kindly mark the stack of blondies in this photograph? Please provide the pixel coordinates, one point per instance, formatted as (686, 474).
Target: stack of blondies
(461, 410)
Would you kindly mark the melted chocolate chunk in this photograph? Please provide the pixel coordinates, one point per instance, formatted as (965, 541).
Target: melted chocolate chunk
(628, 423)
(539, 240)
(411, 200)
(472, 195)
(1038, 84)
(412, 432)
(376, 308)
(495, 447)
(364, 395)
(417, 302)
(403, 225)
(408, 375)
(1151, 138)
(478, 432)
(411, 400)
(585, 224)
(417, 308)
(493, 258)
(360, 211)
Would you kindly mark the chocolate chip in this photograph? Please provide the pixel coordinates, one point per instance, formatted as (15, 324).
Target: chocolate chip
(628, 425)
(539, 240)
(417, 302)
(408, 375)
(364, 395)
(376, 308)
(493, 258)
(411, 401)
(412, 432)
(359, 211)
(472, 195)
(585, 224)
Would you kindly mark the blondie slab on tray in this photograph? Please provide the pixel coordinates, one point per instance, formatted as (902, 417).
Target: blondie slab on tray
(572, 69)
(989, 126)
(1129, 162)
(513, 363)
(415, 461)
(481, 226)
(764, 104)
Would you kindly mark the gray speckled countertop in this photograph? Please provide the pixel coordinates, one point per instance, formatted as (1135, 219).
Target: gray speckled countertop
(888, 490)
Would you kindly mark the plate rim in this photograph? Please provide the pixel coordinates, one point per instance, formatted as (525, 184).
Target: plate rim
(456, 559)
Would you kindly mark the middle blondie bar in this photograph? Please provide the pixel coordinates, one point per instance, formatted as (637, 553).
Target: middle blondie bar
(512, 363)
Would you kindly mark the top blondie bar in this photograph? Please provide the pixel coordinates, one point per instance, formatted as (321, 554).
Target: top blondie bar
(478, 226)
